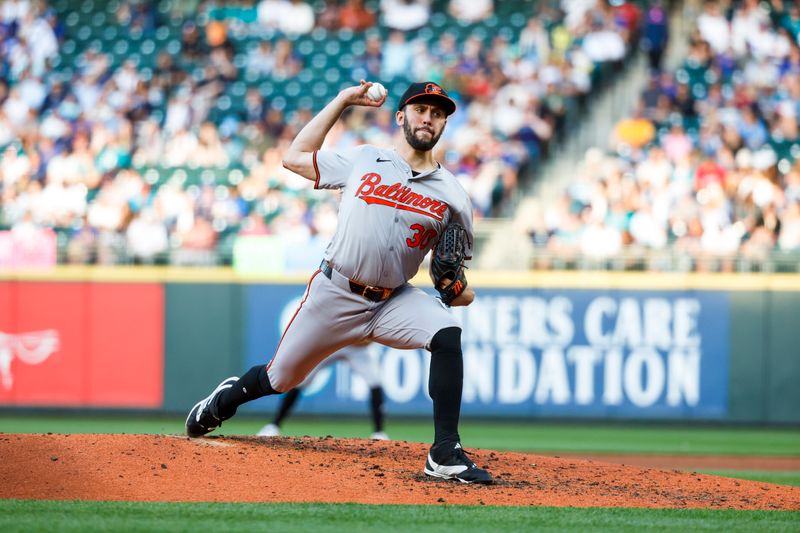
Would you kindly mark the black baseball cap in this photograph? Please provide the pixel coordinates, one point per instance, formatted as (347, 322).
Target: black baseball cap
(427, 89)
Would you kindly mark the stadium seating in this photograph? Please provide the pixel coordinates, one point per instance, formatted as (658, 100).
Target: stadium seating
(327, 60)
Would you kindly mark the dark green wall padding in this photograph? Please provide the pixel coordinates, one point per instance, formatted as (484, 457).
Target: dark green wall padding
(764, 380)
(203, 340)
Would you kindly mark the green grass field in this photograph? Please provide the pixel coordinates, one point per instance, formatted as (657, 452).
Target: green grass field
(533, 437)
(517, 436)
(132, 516)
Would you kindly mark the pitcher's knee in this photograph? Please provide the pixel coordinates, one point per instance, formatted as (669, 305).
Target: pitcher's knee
(283, 379)
(447, 341)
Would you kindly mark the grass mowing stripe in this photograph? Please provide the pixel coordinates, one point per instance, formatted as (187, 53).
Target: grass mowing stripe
(781, 478)
(68, 516)
(511, 435)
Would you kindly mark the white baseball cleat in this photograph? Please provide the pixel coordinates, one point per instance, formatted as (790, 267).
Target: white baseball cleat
(379, 435)
(453, 463)
(204, 416)
(270, 430)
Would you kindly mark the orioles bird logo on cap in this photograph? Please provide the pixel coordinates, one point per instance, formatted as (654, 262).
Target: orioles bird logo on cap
(432, 88)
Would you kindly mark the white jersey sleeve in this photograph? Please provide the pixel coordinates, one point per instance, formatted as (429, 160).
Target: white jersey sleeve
(334, 167)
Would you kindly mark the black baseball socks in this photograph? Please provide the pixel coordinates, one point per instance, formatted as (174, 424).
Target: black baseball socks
(376, 404)
(445, 384)
(288, 401)
(252, 385)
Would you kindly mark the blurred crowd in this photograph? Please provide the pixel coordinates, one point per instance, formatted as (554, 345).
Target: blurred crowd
(79, 145)
(708, 167)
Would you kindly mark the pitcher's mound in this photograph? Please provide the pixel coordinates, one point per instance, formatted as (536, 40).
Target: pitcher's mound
(288, 469)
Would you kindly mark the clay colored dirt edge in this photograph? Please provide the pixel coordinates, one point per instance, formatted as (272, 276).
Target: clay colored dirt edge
(309, 469)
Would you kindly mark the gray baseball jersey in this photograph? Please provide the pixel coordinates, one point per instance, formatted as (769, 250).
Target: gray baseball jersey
(388, 221)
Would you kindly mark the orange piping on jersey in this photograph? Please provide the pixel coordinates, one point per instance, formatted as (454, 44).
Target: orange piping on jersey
(305, 297)
(316, 170)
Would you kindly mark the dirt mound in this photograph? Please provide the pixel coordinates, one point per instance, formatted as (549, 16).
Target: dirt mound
(287, 469)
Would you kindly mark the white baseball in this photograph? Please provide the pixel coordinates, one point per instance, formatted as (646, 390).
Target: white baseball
(376, 92)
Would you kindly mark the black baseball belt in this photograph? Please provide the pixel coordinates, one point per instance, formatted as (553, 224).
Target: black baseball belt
(373, 294)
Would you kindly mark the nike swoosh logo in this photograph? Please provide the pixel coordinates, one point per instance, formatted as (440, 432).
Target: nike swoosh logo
(379, 160)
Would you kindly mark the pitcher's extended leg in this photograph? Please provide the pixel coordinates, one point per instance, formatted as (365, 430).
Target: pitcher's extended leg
(445, 384)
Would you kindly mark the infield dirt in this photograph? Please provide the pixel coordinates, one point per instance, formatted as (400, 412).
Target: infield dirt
(288, 469)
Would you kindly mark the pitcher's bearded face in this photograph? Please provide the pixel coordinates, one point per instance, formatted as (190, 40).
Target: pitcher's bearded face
(423, 125)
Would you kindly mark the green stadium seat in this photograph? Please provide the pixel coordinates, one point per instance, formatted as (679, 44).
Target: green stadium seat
(518, 20)
(346, 61)
(506, 32)
(333, 75)
(438, 21)
(249, 77)
(292, 89)
(71, 21)
(266, 89)
(345, 35)
(304, 47)
(305, 102)
(121, 48)
(480, 32)
(319, 61)
(135, 34)
(425, 34)
(87, 6)
(173, 47)
(164, 7)
(83, 32)
(305, 76)
(151, 176)
(99, 20)
(319, 89)
(94, 44)
(319, 34)
(238, 89)
(109, 33)
(162, 34)
(358, 46)
(68, 47)
(147, 47)
(279, 103)
(332, 48)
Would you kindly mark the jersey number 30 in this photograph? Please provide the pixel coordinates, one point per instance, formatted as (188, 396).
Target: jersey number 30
(421, 237)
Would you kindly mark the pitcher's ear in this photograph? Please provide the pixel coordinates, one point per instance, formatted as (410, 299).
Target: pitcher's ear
(399, 117)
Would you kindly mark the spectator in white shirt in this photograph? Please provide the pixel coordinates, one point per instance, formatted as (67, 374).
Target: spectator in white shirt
(298, 18)
(471, 10)
(714, 27)
(272, 12)
(405, 15)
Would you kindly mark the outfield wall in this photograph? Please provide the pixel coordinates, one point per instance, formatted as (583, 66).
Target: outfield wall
(683, 347)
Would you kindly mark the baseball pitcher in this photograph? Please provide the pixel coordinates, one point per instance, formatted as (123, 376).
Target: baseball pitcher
(397, 204)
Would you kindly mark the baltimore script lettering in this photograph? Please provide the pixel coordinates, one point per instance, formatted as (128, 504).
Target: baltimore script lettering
(395, 195)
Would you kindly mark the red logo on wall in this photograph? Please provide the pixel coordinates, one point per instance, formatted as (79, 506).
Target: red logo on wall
(31, 348)
(88, 344)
